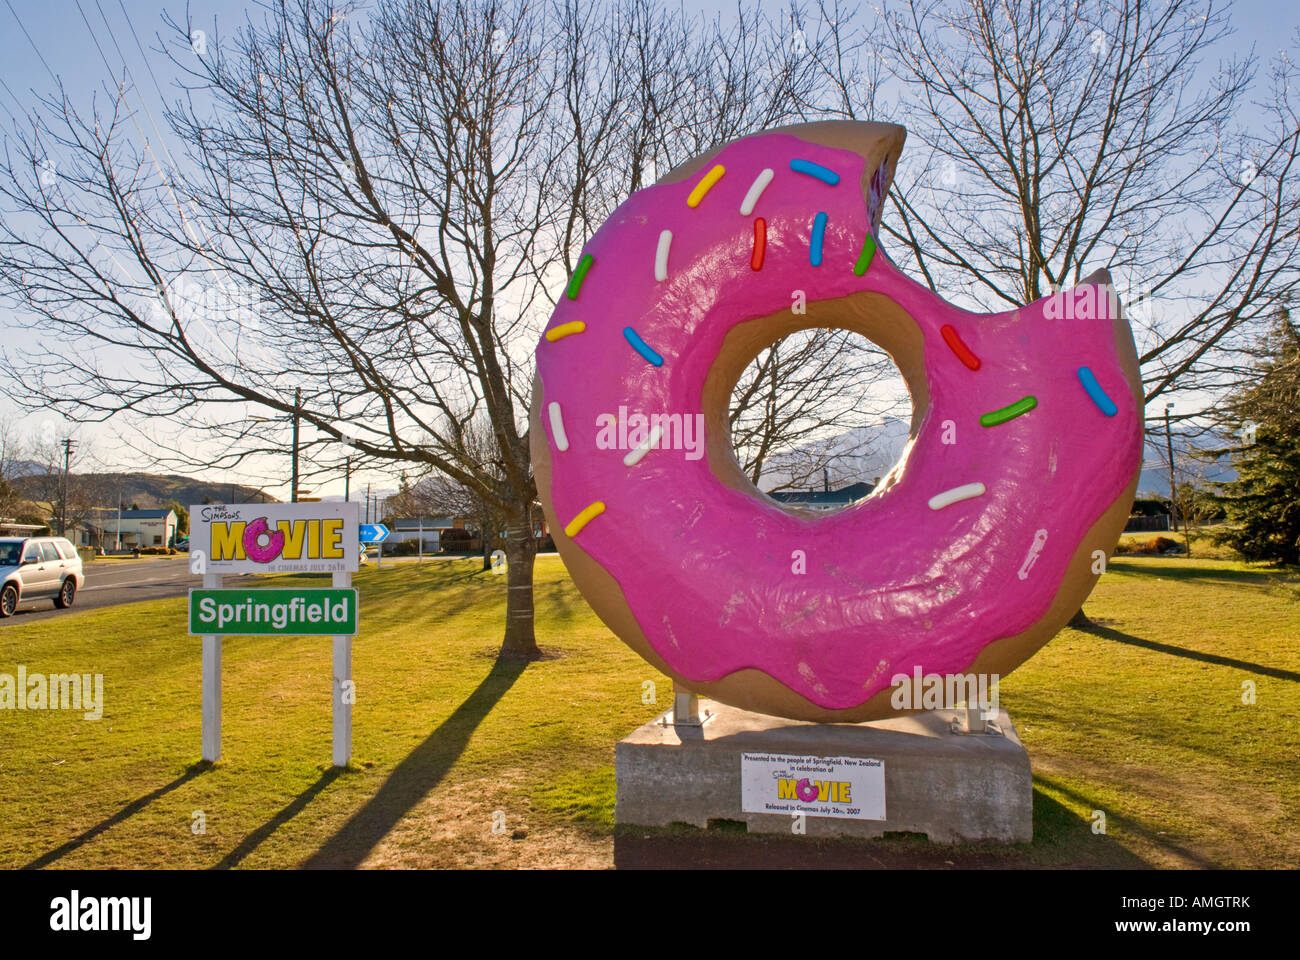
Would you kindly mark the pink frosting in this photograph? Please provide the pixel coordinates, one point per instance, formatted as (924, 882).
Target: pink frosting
(890, 584)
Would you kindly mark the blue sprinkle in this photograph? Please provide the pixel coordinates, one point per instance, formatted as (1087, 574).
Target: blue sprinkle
(640, 347)
(815, 170)
(818, 235)
(1104, 403)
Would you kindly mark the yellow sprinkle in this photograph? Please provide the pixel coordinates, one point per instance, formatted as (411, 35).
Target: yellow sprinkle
(705, 185)
(582, 519)
(565, 329)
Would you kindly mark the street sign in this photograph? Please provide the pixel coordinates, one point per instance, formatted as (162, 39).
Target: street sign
(292, 611)
(373, 533)
(274, 538)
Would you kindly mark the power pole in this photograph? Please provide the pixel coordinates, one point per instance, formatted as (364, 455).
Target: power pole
(347, 478)
(1173, 491)
(63, 499)
(297, 404)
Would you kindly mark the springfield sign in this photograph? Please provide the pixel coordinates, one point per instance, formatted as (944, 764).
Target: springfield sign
(298, 611)
(843, 787)
(275, 538)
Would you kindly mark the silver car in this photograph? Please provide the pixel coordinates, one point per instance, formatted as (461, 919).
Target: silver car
(34, 568)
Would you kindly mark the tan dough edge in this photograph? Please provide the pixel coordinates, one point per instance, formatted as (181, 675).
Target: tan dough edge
(877, 143)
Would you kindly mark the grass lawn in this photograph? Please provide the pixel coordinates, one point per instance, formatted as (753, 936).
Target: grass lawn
(1141, 718)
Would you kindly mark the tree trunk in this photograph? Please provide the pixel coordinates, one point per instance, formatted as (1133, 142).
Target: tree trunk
(520, 642)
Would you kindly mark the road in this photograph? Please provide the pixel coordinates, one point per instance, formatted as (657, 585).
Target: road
(110, 582)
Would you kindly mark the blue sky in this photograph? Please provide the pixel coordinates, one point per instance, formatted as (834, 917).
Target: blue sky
(75, 39)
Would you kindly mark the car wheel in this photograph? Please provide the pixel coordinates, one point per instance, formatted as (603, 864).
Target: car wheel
(8, 600)
(67, 593)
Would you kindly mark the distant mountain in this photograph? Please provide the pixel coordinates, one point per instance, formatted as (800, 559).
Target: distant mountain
(1155, 461)
(145, 489)
(860, 454)
(865, 453)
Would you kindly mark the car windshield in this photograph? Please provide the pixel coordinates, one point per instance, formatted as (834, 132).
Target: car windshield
(9, 554)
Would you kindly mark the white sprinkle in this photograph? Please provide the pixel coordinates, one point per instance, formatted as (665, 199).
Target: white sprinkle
(955, 495)
(641, 449)
(661, 255)
(557, 427)
(755, 191)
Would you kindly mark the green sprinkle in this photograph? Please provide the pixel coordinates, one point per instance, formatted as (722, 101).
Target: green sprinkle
(1023, 405)
(864, 258)
(575, 281)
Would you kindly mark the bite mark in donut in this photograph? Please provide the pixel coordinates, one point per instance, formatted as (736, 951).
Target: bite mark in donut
(696, 561)
(252, 541)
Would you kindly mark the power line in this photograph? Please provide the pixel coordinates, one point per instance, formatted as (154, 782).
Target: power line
(23, 28)
(95, 40)
(18, 103)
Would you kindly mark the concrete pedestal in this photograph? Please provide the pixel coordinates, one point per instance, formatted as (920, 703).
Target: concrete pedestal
(951, 787)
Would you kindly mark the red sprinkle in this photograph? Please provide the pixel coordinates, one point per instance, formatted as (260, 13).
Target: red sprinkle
(760, 243)
(951, 338)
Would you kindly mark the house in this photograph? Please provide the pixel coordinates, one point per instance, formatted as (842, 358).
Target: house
(428, 529)
(10, 528)
(824, 499)
(137, 528)
(1148, 514)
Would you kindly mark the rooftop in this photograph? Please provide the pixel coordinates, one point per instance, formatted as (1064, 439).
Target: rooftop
(844, 495)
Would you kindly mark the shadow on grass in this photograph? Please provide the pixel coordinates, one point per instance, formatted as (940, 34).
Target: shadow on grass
(287, 813)
(1061, 839)
(126, 813)
(1127, 826)
(415, 777)
(1118, 636)
(1264, 578)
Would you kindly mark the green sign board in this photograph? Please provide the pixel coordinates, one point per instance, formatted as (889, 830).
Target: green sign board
(289, 611)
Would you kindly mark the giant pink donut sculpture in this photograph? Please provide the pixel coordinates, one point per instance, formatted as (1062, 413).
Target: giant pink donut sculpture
(972, 553)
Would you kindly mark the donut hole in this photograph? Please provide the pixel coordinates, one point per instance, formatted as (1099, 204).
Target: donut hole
(798, 407)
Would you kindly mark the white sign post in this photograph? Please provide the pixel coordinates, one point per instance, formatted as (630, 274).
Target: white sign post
(276, 538)
(211, 684)
(343, 691)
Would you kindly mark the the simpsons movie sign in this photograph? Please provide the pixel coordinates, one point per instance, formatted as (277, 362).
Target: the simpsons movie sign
(274, 538)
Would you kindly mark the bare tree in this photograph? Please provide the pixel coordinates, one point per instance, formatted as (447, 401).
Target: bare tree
(14, 462)
(436, 494)
(376, 207)
(72, 498)
(799, 399)
(1053, 137)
